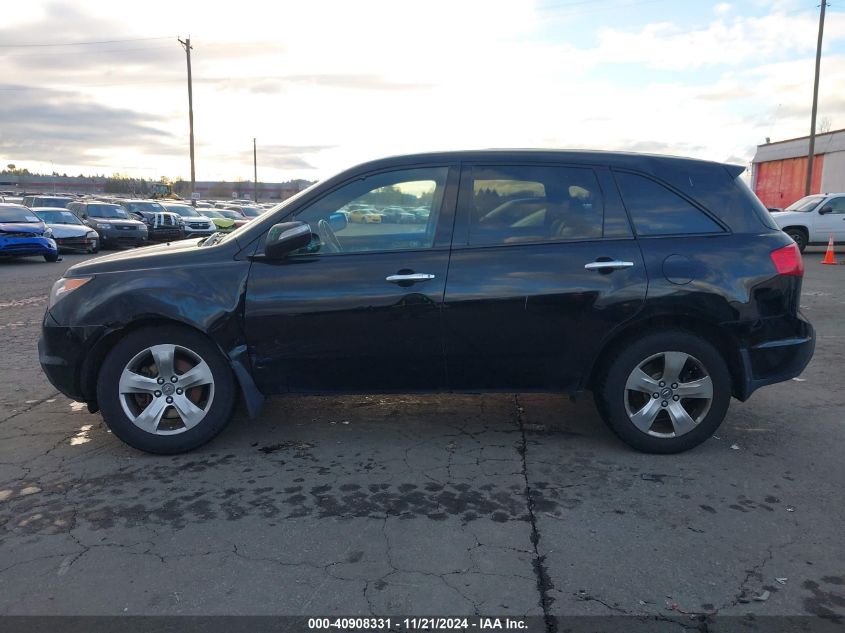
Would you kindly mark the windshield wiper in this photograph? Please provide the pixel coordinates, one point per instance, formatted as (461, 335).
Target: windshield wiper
(212, 239)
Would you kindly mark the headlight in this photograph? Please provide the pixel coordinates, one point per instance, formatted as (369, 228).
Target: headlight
(104, 225)
(65, 286)
(48, 232)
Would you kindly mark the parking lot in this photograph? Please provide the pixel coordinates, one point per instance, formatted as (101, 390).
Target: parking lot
(505, 504)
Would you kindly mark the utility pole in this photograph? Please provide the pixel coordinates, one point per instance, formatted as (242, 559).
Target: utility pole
(187, 46)
(811, 153)
(254, 171)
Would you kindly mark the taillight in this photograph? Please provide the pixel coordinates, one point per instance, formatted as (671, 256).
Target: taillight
(788, 261)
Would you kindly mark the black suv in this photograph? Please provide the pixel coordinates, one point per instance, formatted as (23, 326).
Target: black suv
(113, 224)
(661, 284)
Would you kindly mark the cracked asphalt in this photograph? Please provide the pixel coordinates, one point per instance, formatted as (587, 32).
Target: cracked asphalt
(504, 504)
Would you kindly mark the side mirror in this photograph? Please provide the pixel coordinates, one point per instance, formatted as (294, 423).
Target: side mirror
(338, 221)
(284, 238)
(826, 209)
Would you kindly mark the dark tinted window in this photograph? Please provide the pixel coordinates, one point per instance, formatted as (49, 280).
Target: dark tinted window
(656, 210)
(533, 204)
(837, 205)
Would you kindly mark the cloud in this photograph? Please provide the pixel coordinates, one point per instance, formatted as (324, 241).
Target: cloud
(68, 128)
(283, 83)
(281, 157)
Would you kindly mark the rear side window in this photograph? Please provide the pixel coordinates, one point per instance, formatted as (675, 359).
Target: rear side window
(514, 204)
(656, 210)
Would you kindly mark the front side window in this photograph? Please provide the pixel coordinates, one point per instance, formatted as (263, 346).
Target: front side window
(837, 205)
(534, 204)
(385, 212)
(656, 210)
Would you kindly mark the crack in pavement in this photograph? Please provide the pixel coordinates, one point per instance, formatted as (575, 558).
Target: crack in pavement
(544, 583)
(31, 406)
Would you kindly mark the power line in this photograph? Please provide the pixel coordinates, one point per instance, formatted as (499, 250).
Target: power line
(54, 44)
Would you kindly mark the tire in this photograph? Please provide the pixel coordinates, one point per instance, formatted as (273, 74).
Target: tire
(52, 258)
(129, 381)
(658, 425)
(95, 249)
(799, 237)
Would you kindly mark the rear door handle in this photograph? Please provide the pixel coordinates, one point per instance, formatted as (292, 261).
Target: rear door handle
(611, 265)
(395, 279)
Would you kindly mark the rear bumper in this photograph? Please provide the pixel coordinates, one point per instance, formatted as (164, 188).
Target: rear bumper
(772, 361)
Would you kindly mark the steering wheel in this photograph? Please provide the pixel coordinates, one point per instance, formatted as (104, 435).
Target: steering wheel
(327, 236)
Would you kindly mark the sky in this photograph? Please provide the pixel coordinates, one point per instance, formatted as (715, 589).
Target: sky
(101, 87)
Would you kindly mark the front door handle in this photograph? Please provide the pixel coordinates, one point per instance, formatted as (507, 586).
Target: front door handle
(396, 279)
(614, 264)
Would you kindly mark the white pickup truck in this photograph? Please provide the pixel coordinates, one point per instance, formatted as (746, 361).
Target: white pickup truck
(813, 219)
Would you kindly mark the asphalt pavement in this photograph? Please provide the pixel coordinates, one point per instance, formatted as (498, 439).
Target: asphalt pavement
(505, 504)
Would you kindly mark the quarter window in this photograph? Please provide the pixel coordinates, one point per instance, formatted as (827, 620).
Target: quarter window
(534, 204)
(656, 210)
(385, 212)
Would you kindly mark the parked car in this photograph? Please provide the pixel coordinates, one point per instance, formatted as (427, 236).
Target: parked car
(248, 211)
(364, 215)
(32, 201)
(115, 227)
(221, 222)
(230, 214)
(23, 234)
(69, 232)
(195, 223)
(812, 220)
(660, 284)
(162, 225)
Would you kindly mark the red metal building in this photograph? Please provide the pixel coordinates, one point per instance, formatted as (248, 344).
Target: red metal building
(779, 170)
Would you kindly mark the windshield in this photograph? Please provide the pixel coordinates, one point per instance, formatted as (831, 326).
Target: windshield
(18, 215)
(251, 212)
(58, 217)
(52, 202)
(807, 203)
(140, 207)
(183, 210)
(106, 211)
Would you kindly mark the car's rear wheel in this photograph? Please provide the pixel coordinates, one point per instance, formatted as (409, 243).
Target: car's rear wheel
(166, 390)
(664, 393)
(799, 237)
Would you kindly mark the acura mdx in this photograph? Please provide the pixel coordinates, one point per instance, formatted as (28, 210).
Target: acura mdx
(660, 284)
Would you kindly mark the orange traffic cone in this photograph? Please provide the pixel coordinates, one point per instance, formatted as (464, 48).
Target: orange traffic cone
(829, 256)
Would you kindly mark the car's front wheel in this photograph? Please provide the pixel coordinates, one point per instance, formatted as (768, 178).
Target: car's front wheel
(666, 392)
(166, 389)
(52, 257)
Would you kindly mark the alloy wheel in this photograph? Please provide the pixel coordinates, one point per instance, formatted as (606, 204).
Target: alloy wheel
(668, 394)
(166, 389)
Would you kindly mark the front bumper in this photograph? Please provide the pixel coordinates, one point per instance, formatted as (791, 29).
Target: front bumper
(122, 237)
(23, 246)
(165, 234)
(776, 360)
(62, 352)
(72, 244)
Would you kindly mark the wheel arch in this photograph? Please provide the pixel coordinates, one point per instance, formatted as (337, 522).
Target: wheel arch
(724, 343)
(801, 229)
(237, 359)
